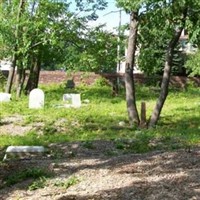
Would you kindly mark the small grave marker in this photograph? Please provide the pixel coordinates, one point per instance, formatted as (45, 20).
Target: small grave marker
(74, 99)
(36, 98)
(5, 97)
(67, 97)
(70, 84)
(143, 121)
(23, 151)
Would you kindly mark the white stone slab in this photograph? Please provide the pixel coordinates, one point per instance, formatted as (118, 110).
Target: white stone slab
(29, 149)
(23, 150)
(5, 97)
(36, 98)
(67, 97)
(74, 99)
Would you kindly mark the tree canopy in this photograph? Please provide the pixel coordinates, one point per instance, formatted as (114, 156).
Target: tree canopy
(49, 34)
(156, 27)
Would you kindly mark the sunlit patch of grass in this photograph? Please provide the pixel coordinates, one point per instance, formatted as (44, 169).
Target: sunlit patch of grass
(67, 183)
(178, 125)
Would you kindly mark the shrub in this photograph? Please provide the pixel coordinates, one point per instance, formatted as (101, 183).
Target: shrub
(101, 82)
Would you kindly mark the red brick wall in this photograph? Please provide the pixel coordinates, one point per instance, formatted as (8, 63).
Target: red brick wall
(49, 77)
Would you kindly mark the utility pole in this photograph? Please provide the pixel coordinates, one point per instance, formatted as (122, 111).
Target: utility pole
(116, 82)
(118, 51)
(119, 40)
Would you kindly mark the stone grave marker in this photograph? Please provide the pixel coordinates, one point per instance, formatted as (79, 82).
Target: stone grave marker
(21, 151)
(67, 97)
(73, 99)
(76, 100)
(5, 97)
(36, 98)
(70, 84)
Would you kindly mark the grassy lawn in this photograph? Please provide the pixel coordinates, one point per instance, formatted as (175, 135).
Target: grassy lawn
(178, 127)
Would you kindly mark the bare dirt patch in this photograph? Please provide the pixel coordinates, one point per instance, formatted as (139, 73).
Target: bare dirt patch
(104, 172)
(14, 125)
(99, 170)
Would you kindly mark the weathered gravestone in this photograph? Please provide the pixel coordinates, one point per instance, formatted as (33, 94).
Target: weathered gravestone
(67, 97)
(74, 99)
(21, 151)
(36, 98)
(70, 84)
(5, 97)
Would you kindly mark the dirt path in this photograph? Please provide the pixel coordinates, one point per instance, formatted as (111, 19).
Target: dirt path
(99, 171)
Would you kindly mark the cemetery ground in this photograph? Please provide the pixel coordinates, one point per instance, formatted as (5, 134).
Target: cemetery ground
(93, 153)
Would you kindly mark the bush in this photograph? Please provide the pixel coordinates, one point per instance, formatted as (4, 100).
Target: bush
(101, 82)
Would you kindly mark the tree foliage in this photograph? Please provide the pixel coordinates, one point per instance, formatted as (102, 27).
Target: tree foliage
(193, 64)
(160, 24)
(96, 52)
(45, 32)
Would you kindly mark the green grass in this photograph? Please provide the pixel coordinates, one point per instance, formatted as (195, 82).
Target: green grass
(178, 126)
(38, 175)
(67, 183)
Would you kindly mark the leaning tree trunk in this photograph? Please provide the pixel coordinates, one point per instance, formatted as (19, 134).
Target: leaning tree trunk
(167, 73)
(129, 78)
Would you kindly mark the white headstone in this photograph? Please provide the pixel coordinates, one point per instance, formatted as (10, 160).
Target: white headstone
(74, 99)
(4, 97)
(23, 150)
(67, 97)
(36, 98)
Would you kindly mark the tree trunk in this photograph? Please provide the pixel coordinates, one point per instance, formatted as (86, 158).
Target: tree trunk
(33, 76)
(143, 121)
(166, 74)
(11, 74)
(20, 78)
(129, 78)
(14, 59)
